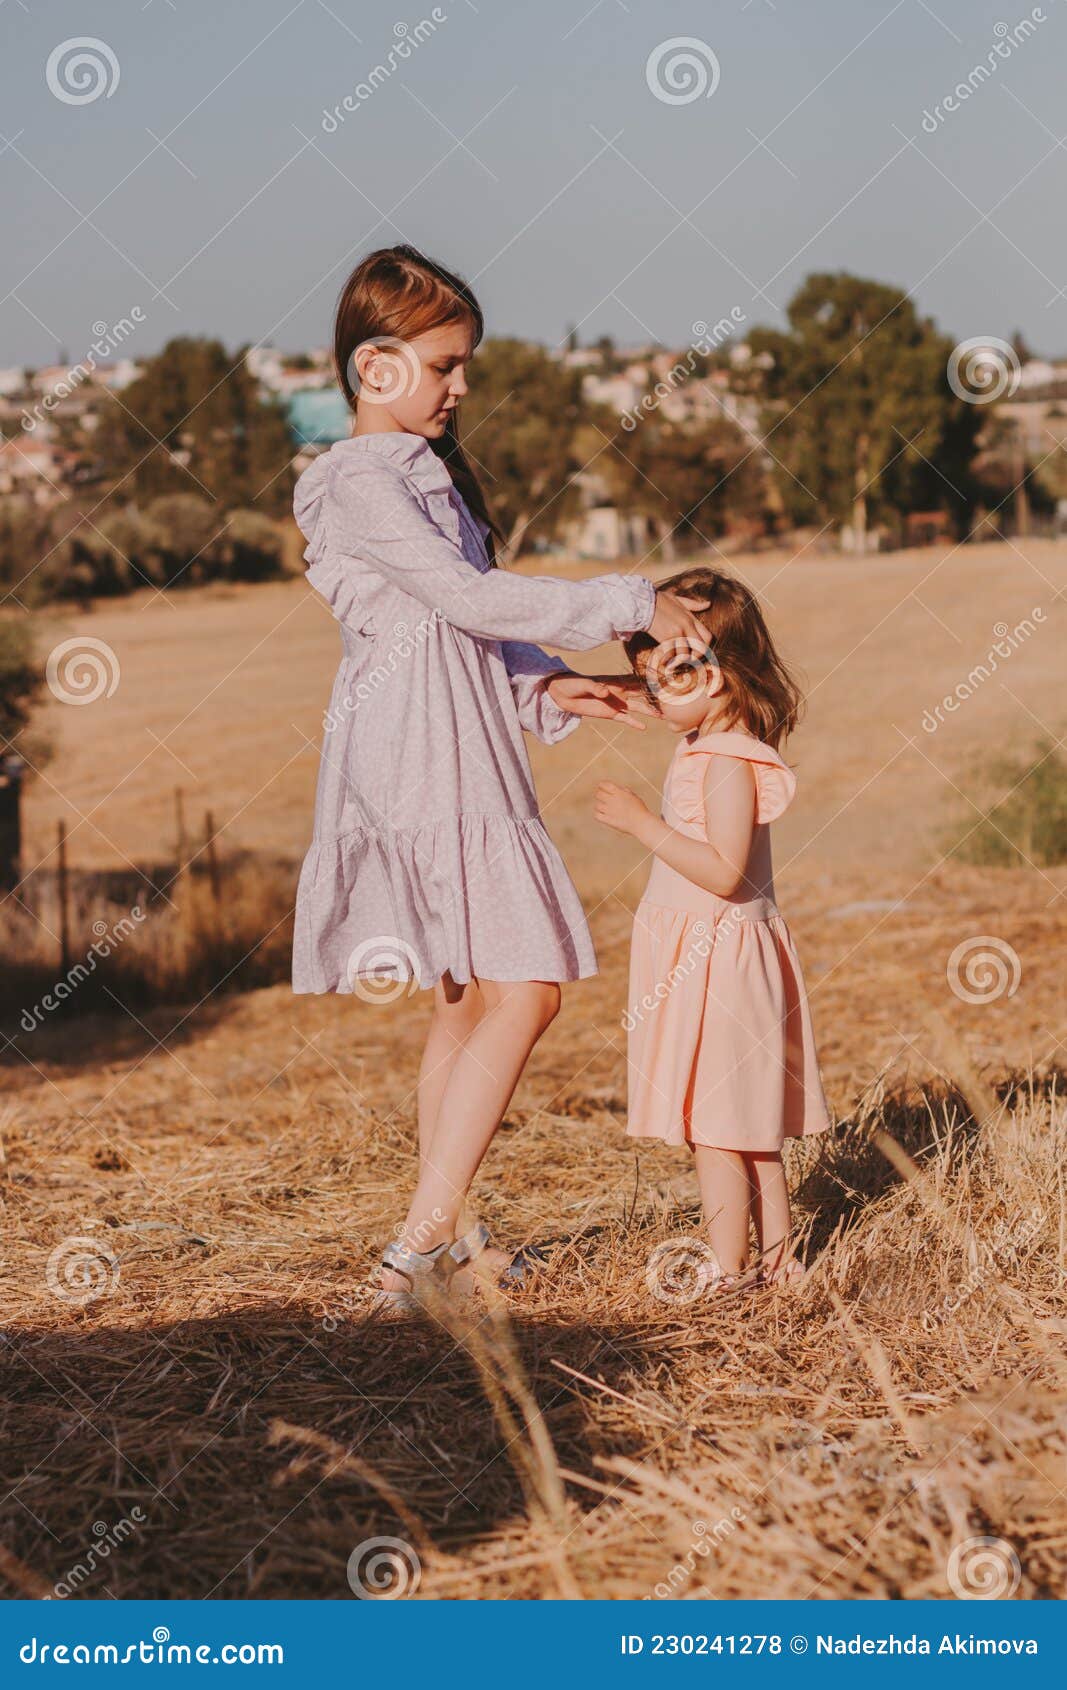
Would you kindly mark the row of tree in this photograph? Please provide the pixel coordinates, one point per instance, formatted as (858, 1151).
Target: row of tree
(857, 423)
(181, 539)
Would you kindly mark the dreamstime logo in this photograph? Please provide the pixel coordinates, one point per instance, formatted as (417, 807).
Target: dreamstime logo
(106, 940)
(81, 69)
(382, 1569)
(393, 372)
(80, 1270)
(706, 341)
(383, 969)
(1005, 1249)
(983, 1569)
(983, 969)
(1008, 640)
(663, 988)
(983, 370)
(416, 1238)
(680, 1270)
(678, 667)
(106, 1538)
(81, 670)
(407, 40)
(1008, 38)
(705, 1537)
(407, 642)
(108, 340)
(681, 70)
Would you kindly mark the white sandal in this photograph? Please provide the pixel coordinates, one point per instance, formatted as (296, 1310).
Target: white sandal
(522, 1267)
(415, 1267)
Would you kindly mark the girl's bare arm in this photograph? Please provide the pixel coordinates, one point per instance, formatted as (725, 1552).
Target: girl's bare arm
(730, 817)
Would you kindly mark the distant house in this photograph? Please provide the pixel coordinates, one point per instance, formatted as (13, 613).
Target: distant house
(117, 373)
(604, 531)
(51, 378)
(1036, 373)
(318, 416)
(32, 467)
(928, 528)
(619, 393)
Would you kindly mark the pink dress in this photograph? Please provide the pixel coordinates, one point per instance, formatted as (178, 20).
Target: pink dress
(721, 1050)
(429, 852)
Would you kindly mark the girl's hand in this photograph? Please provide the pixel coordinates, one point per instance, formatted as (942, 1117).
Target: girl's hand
(619, 807)
(586, 695)
(674, 620)
(633, 690)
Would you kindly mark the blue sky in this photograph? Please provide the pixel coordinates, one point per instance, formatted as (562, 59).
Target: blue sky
(522, 144)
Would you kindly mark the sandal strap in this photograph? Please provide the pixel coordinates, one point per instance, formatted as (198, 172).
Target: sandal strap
(524, 1264)
(401, 1258)
(470, 1245)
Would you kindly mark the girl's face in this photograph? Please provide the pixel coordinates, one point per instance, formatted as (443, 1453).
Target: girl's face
(414, 385)
(685, 685)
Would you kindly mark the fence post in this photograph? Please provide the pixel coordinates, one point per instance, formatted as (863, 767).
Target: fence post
(64, 901)
(179, 822)
(212, 859)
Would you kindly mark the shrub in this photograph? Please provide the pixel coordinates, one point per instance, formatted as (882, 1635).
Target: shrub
(1028, 823)
(251, 548)
(21, 678)
(179, 540)
(189, 528)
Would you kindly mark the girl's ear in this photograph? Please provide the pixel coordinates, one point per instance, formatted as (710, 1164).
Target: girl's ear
(366, 362)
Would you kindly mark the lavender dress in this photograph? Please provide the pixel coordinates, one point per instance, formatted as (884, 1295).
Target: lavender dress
(428, 851)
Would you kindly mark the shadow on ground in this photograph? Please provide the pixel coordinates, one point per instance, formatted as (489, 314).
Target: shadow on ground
(261, 1449)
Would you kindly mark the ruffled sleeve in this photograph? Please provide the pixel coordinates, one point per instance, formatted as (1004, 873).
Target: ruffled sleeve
(347, 595)
(776, 787)
(776, 784)
(379, 503)
(528, 669)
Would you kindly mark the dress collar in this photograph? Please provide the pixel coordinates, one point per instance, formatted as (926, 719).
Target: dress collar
(416, 459)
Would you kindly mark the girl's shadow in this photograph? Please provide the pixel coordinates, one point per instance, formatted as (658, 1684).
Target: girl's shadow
(260, 1450)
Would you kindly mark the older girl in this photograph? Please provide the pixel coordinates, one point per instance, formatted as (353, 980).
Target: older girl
(430, 861)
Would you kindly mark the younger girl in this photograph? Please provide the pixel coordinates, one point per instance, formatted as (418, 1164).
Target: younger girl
(721, 1053)
(430, 862)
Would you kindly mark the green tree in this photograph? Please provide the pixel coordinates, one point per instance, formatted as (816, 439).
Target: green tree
(859, 414)
(194, 422)
(525, 455)
(693, 482)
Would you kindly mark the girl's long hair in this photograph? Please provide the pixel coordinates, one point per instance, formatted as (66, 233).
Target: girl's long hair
(759, 694)
(398, 293)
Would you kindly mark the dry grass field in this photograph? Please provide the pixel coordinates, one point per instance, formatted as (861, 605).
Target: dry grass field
(221, 1416)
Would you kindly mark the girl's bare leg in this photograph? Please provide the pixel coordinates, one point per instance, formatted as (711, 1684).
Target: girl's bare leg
(457, 1009)
(770, 1210)
(482, 1075)
(726, 1198)
(456, 1012)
